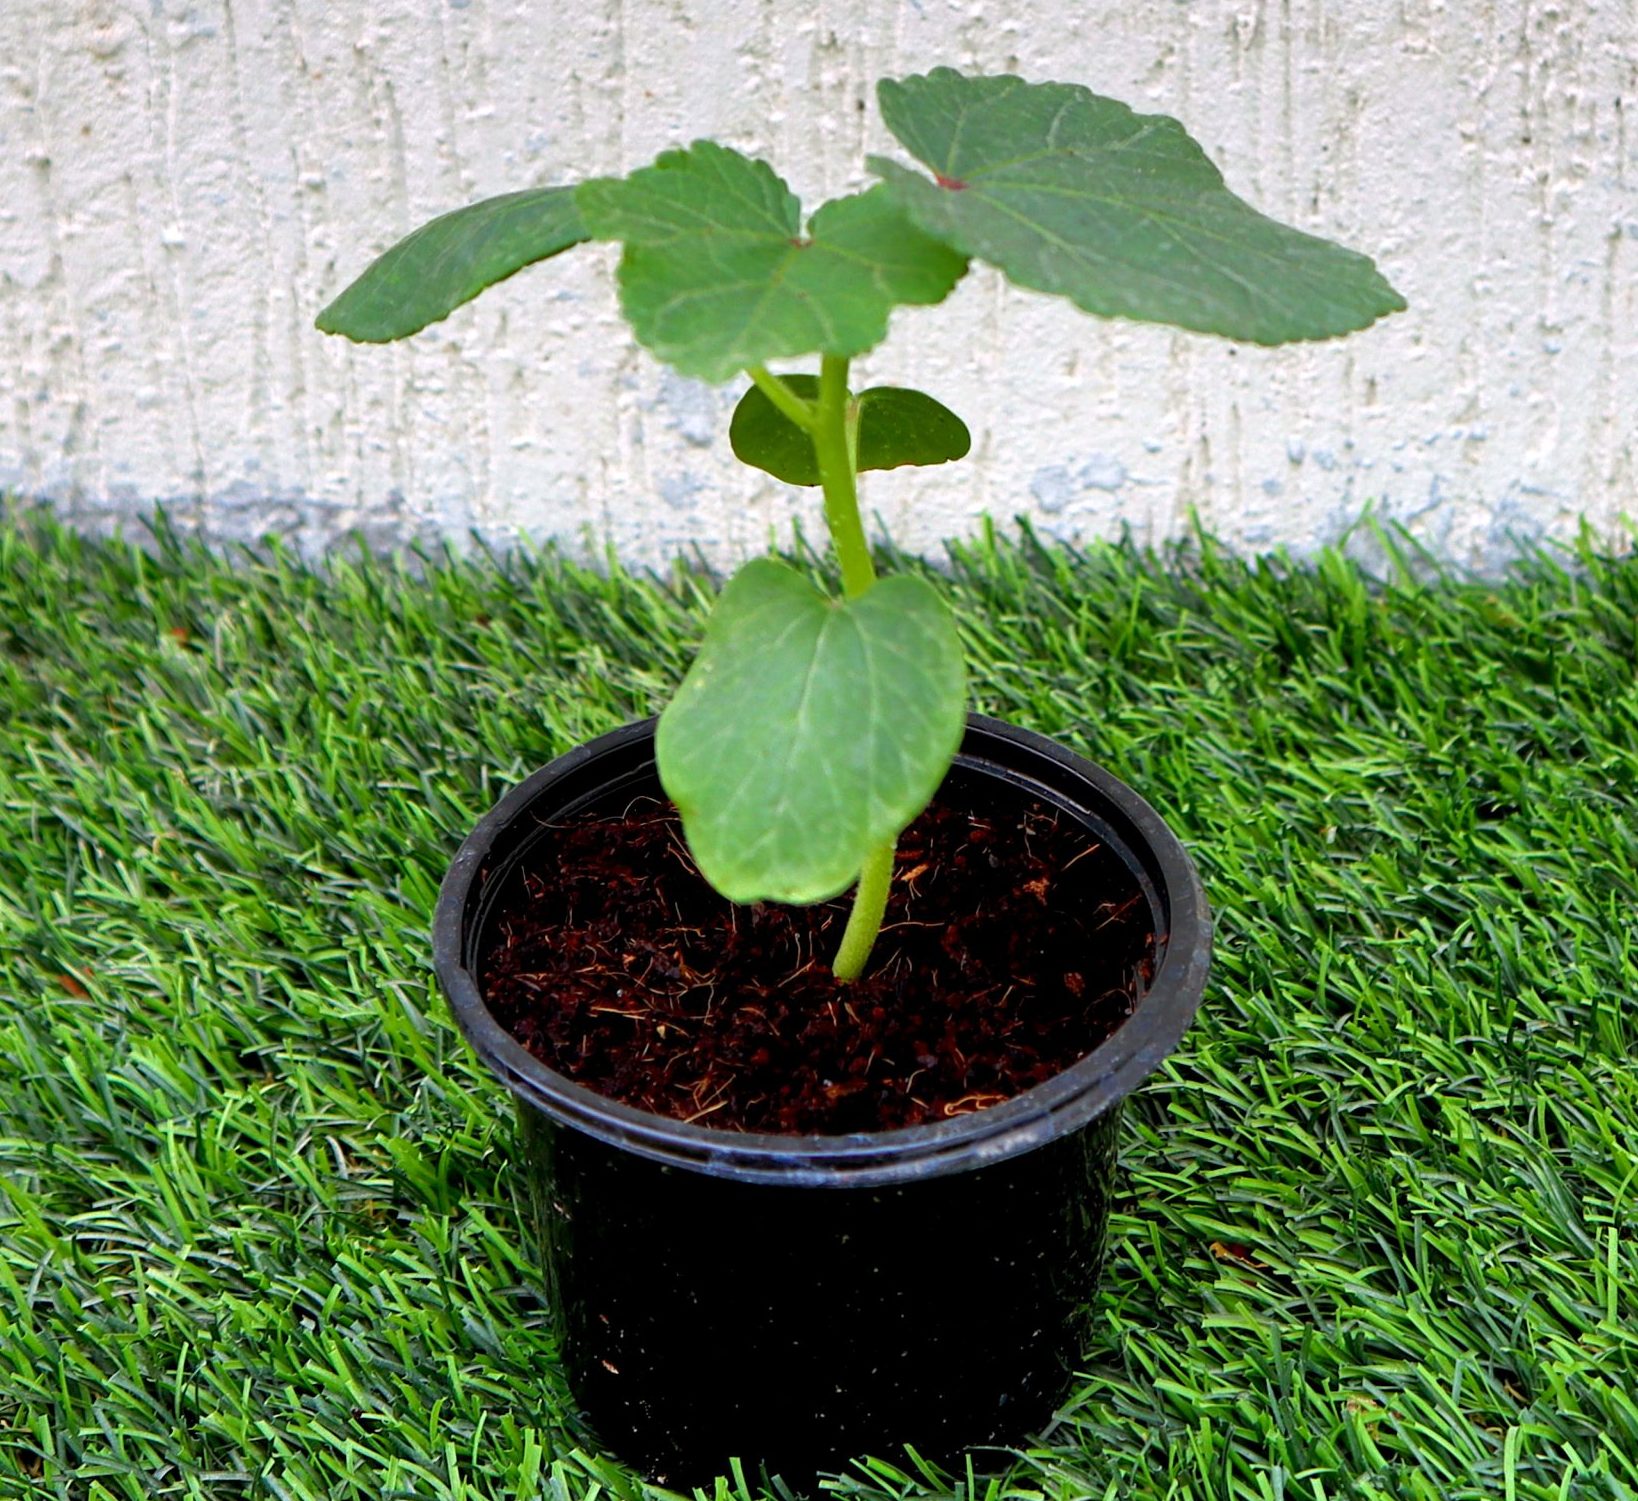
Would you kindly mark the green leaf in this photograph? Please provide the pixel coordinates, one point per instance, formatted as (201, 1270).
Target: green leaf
(1069, 192)
(765, 438)
(900, 426)
(717, 275)
(809, 732)
(430, 273)
(896, 426)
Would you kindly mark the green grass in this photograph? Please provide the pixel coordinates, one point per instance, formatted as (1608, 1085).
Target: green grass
(1379, 1232)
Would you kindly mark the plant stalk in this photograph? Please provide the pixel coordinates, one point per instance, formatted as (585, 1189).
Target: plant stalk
(832, 446)
(864, 922)
(835, 433)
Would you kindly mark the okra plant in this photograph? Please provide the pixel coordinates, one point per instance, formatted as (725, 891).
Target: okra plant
(811, 730)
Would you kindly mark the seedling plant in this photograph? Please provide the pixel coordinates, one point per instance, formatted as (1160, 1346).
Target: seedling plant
(811, 730)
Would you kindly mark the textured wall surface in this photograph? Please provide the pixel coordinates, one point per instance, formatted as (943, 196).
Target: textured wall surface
(183, 183)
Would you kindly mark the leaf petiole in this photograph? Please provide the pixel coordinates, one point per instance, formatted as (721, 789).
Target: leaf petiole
(801, 412)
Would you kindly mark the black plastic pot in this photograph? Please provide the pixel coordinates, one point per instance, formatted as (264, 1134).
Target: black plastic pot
(800, 1300)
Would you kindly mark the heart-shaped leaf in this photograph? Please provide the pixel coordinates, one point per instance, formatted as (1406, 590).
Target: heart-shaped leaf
(428, 274)
(1068, 192)
(809, 732)
(717, 275)
(896, 426)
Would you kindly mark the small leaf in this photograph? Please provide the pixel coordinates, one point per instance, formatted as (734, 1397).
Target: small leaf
(896, 426)
(765, 438)
(448, 261)
(900, 426)
(717, 274)
(809, 732)
(1069, 192)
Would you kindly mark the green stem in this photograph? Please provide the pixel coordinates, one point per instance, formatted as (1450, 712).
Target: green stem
(832, 446)
(786, 400)
(864, 922)
(835, 433)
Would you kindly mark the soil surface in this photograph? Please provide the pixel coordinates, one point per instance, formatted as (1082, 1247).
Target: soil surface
(1014, 943)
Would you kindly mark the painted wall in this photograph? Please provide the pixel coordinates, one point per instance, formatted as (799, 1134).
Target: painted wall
(183, 183)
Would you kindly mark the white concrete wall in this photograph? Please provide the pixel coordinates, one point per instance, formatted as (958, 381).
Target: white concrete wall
(184, 182)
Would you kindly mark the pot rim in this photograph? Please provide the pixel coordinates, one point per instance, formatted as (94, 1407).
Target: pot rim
(1070, 1099)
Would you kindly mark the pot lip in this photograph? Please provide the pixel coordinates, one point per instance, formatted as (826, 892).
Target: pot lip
(1070, 1099)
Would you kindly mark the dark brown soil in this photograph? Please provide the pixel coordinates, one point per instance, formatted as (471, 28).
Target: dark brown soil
(1014, 944)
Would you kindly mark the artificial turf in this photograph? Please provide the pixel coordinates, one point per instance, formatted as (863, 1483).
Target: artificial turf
(1378, 1232)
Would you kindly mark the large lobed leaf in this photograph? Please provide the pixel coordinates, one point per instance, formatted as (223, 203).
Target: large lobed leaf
(1069, 192)
(809, 732)
(447, 262)
(897, 426)
(717, 274)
